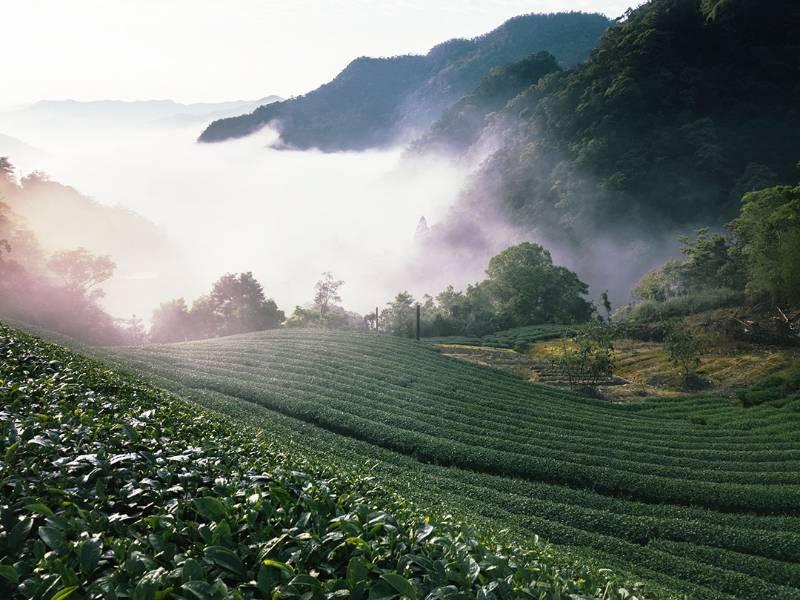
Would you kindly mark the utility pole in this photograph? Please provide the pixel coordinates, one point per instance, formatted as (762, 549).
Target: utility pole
(376, 319)
(418, 309)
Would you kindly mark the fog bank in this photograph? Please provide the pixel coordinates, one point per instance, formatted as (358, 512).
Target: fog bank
(242, 206)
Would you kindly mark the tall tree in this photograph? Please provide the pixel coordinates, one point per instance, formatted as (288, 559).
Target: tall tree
(326, 294)
(81, 271)
(527, 288)
(239, 302)
(768, 239)
(171, 322)
(398, 316)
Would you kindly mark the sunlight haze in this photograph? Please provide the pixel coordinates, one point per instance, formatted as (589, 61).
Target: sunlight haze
(202, 51)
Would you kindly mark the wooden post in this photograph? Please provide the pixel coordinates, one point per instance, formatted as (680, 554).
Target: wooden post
(376, 319)
(418, 309)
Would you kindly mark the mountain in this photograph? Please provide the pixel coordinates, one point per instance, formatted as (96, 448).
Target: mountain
(377, 101)
(141, 112)
(66, 121)
(683, 107)
(462, 123)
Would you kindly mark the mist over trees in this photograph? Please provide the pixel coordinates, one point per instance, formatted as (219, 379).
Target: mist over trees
(755, 258)
(57, 292)
(235, 304)
(523, 287)
(325, 311)
(685, 106)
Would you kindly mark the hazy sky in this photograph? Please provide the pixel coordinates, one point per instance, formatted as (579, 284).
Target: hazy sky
(210, 50)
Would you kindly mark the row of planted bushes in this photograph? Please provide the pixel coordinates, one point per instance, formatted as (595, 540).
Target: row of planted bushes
(114, 489)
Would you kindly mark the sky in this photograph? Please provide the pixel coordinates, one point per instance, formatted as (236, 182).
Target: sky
(209, 50)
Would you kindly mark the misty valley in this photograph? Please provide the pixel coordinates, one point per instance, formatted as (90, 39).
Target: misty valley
(517, 316)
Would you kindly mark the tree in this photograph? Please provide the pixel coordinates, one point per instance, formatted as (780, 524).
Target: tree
(398, 316)
(133, 331)
(684, 349)
(303, 317)
(326, 294)
(606, 305)
(527, 288)
(6, 171)
(239, 303)
(171, 322)
(707, 263)
(586, 358)
(767, 235)
(203, 319)
(81, 271)
(661, 284)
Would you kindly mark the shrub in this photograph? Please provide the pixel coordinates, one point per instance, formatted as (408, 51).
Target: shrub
(684, 349)
(681, 306)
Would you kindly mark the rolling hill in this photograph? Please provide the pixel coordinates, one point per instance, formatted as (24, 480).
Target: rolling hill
(694, 495)
(375, 102)
(112, 488)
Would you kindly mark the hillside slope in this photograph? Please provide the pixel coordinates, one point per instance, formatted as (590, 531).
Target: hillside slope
(373, 101)
(694, 494)
(112, 488)
(682, 108)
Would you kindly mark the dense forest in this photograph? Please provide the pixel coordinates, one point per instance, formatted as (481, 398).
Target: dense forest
(375, 101)
(684, 107)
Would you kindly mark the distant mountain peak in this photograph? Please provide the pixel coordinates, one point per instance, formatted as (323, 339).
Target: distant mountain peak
(375, 102)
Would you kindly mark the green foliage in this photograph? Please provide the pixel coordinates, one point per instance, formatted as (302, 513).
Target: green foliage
(652, 311)
(761, 260)
(466, 440)
(709, 263)
(523, 287)
(236, 304)
(777, 390)
(392, 393)
(586, 357)
(373, 100)
(673, 118)
(114, 489)
(511, 339)
(461, 124)
(684, 349)
(527, 288)
(398, 316)
(768, 237)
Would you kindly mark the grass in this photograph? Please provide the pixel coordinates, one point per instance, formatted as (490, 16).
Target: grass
(724, 368)
(112, 488)
(685, 493)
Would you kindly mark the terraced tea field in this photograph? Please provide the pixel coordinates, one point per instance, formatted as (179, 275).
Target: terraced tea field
(114, 489)
(696, 495)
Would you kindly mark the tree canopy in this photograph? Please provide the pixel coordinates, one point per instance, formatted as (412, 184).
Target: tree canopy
(523, 287)
(235, 304)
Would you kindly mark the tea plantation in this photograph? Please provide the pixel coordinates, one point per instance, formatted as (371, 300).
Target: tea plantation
(698, 495)
(110, 488)
(519, 337)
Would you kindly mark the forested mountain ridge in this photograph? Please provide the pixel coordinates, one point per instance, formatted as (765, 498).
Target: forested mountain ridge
(375, 101)
(683, 108)
(461, 124)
